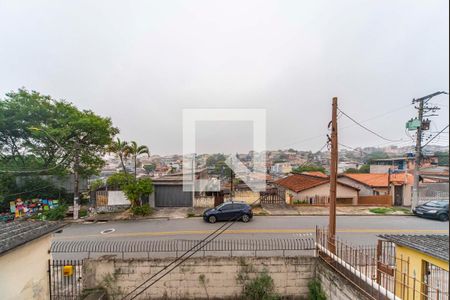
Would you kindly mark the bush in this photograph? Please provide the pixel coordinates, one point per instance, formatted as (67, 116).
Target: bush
(55, 214)
(144, 210)
(119, 180)
(260, 288)
(136, 189)
(315, 290)
(83, 213)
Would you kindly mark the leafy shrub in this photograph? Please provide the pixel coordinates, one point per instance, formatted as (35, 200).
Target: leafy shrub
(119, 180)
(55, 214)
(315, 290)
(96, 184)
(300, 202)
(144, 210)
(260, 288)
(82, 213)
(136, 189)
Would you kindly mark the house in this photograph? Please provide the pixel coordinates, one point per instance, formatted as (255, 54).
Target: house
(424, 260)
(314, 190)
(168, 190)
(378, 166)
(24, 256)
(399, 185)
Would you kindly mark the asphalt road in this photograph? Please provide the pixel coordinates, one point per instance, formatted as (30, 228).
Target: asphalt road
(357, 230)
(361, 229)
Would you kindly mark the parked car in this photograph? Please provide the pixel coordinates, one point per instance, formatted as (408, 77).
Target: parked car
(229, 211)
(437, 209)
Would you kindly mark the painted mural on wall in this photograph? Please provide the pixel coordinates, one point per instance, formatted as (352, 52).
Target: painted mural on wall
(29, 208)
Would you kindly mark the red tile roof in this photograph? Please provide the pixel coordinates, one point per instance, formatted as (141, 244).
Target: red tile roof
(316, 174)
(301, 182)
(381, 179)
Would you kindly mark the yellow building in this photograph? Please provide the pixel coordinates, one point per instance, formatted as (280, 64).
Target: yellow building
(421, 266)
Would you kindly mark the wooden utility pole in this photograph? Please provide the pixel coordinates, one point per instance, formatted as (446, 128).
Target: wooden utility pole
(418, 156)
(76, 187)
(422, 109)
(333, 177)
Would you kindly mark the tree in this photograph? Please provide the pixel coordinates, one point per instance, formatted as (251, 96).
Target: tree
(44, 136)
(136, 189)
(150, 168)
(119, 148)
(363, 169)
(308, 168)
(119, 180)
(134, 150)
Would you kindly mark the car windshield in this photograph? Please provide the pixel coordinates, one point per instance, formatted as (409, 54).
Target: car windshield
(436, 204)
(221, 206)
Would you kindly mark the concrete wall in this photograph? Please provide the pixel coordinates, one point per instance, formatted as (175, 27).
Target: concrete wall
(23, 271)
(290, 276)
(117, 198)
(364, 190)
(335, 286)
(246, 196)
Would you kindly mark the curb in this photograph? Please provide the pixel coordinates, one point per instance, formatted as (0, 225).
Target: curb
(198, 217)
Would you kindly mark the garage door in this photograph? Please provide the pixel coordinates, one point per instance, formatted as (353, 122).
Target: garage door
(172, 196)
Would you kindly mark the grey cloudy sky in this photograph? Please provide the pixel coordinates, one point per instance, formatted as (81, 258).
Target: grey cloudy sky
(142, 62)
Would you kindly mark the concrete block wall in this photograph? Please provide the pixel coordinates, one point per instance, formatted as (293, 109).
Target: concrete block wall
(335, 285)
(200, 278)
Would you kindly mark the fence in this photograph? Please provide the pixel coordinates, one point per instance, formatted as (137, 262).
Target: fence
(433, 191)
(378, 200)
(65, 285)
(180, 246)
(378, 272)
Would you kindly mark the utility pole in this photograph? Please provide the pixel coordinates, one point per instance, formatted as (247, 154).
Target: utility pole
(333, 178)
(422, 109)
(76, 186)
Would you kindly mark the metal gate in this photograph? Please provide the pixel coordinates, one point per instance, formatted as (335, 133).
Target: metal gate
(172, 196)
(65, 279)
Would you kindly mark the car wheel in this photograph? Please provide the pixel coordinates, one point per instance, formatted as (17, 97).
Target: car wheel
(212, 219)
(443, 217)
(245, 218)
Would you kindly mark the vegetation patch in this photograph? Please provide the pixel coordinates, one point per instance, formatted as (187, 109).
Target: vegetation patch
(388, 210)
(144, 210)
(315, 290)
(260, 288)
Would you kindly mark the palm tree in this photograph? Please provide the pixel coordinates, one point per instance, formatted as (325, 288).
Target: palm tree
(134, 150)
(119, 148)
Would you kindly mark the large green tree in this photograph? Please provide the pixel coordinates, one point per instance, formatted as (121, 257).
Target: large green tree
(41, 135)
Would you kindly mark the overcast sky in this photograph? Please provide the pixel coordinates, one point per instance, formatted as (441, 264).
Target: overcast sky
(142, 62)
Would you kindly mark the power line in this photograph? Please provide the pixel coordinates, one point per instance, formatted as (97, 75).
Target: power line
(181, 259)
(369, 130)
(21, 193)
(435, 136)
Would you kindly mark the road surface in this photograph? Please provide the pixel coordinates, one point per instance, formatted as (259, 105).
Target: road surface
(358, 230)
(363, 229)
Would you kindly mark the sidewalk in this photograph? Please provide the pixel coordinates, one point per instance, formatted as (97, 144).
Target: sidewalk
(267, 210)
